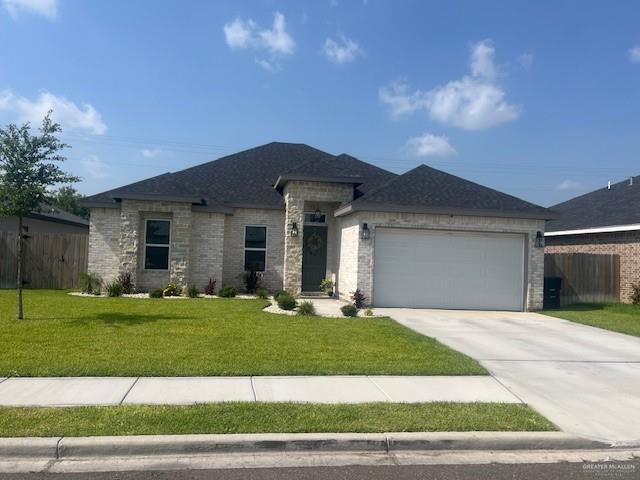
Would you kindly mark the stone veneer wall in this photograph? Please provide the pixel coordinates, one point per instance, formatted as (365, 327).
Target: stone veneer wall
(104, 243)
(363, 257)
(625, 244)
(296, 193)
(233, 266)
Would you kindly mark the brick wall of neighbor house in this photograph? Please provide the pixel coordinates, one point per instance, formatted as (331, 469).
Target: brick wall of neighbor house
(207, 237)
(625, 244)
(104, 243)
(234, 227)
(364, 251)
(296, 194)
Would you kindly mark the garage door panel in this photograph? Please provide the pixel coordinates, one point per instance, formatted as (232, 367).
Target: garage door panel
(448, 269)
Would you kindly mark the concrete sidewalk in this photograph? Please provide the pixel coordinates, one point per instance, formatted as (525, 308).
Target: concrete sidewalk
(69, 391)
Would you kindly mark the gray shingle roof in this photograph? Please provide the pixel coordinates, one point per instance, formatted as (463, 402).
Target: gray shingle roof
(604, 207)
(429, 189)
(247, 178)
(48, 212)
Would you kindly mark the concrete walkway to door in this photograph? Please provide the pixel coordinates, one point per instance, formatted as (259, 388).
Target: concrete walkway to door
(584, 379)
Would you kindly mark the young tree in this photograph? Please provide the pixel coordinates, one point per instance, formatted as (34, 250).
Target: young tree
(28, 168)
(68, 199)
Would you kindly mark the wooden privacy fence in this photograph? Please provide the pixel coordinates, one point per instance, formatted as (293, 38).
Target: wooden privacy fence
(50, 260)
(585, 277)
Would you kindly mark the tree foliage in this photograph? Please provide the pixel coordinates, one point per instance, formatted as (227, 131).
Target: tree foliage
(67, 198)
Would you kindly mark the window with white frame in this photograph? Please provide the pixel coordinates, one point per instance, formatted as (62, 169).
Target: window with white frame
(255, 248)
(156, 244)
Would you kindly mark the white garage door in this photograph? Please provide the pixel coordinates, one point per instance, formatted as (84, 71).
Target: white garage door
(448, 269)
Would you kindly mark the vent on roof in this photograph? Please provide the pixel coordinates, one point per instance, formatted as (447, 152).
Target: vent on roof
(630, 180)
(609, 185)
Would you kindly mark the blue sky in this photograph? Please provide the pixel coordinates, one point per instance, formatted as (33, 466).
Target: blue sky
(538, 99)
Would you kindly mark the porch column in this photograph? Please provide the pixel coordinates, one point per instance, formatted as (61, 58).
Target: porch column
(294, 213)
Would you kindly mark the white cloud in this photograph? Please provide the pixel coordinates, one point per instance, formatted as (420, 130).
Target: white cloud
(95, 167)
(46, 8)
(429, 145)
(342, 50)
(65, 112)
(151, 152)
(276, 41)
(569, 184)
(525, 61)
(474, 102)
(634, 54)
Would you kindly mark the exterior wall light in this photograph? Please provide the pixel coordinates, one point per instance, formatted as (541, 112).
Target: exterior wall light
(317, 215)
(293, 229)
(539, 239)
(366, 233)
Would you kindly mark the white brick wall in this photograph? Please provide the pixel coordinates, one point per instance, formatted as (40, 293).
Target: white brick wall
(104, 238)
(365, 258)
(233, 266)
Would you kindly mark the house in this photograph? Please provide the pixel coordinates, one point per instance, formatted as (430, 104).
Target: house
(48, 220)
(605, 221)
(298, 215)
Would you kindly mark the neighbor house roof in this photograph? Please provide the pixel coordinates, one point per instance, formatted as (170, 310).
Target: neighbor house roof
(247, 178)
(606, 209)
(54, 214)
(428, 190)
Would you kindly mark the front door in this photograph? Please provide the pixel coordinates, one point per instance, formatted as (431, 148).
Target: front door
(314, 257)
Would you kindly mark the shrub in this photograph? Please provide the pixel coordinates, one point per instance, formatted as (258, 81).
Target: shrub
(227, 292)
(262, 293)
(286, 301)
(210, 288)
(635, 296)
(358, 298)
(277, 294)
(368, 312)
(90, 283)
(126, 282)
(192, 291)
(171, 290)
(155, 293)
(306, 308)
(251, 280)
(349, 311)
(114, 289)
(327, 286)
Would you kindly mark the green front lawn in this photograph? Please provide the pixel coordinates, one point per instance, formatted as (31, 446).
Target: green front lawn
(270, 418)
(618, 317)
(65, 335)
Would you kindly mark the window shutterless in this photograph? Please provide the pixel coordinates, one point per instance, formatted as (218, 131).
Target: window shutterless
(156, 244)
(255, 248)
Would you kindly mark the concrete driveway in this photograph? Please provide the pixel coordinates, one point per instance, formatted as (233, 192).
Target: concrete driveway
(586, 380)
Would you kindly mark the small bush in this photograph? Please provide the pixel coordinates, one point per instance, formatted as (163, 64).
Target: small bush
(227, 292)
(349, 311)
(251, 280)
(277, 294)
(114, 289)
(262, 293)
(210, 288)
(358, 298)
(286, 301)
(635, 296)
(90, 283)
(192, 291)
(306, 308)
(327, 286)
(126, 282)
(155, 293)
(368, 312)
(171, 290)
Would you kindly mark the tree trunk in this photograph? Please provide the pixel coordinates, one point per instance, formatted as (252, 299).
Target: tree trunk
(20, 309)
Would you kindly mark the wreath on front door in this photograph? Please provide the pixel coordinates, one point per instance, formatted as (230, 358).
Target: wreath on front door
(314, 243)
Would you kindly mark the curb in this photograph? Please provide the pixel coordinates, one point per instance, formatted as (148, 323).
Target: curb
(149, 445)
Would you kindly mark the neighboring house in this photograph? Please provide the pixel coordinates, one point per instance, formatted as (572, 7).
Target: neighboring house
(605, 221)
(298, 215)
(48, 220)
